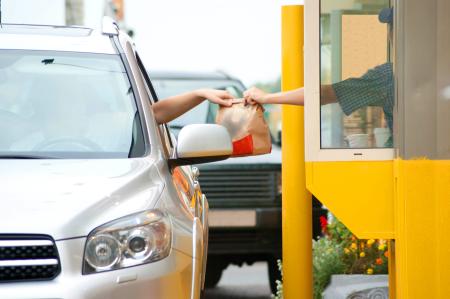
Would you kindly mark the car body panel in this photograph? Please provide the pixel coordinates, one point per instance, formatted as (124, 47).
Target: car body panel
(73, 192)
(197, 264)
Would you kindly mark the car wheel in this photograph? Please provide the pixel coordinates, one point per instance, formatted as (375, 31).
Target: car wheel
(274, 274)
(214, 269)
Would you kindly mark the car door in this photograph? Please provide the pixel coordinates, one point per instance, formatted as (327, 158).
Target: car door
(186, 182)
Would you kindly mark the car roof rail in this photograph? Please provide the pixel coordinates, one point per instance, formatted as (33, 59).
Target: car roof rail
(225, 74)
(109, 26)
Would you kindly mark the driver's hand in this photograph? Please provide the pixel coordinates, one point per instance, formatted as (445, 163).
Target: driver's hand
(220, 97)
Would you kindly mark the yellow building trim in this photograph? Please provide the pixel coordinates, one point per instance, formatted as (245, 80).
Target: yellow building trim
(422, 223)
(359, 193)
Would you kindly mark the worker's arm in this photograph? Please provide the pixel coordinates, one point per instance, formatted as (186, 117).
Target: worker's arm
(292, 97)
(172, 107)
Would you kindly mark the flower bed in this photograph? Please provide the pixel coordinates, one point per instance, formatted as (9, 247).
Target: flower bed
(340, 252)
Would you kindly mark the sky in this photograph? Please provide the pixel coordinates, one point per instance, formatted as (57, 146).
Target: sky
(240, 37)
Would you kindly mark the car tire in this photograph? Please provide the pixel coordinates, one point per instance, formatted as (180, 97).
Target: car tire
(274, 274)
(214, 269)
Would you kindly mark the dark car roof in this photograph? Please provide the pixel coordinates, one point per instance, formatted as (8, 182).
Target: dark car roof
(156, 74)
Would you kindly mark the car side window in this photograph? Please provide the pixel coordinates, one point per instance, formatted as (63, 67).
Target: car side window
(163, 129)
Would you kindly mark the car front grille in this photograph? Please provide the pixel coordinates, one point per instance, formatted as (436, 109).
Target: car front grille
(235, 188)
(25, 258)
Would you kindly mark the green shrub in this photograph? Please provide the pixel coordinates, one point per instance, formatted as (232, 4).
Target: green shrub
(327, 260)
(279, 294)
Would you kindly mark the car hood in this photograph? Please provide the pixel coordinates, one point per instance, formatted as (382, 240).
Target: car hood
(69, 198)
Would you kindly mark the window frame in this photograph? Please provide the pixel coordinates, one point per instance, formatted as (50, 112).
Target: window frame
(164, 131)
(313, 150)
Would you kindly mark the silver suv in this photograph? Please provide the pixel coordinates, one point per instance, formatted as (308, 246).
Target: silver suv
(97, 200)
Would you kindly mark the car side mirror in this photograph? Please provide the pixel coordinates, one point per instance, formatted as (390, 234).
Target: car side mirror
(202, 143)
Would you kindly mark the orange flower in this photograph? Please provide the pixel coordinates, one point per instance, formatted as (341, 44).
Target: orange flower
(386, 253)
(379, 261)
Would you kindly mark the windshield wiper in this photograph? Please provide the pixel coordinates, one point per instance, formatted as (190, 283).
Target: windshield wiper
(51, 61)
(13, 156)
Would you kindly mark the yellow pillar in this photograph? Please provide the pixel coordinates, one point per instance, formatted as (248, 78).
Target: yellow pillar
(297, 205)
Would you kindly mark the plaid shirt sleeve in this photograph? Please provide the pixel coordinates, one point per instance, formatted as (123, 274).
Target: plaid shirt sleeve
(372, 89)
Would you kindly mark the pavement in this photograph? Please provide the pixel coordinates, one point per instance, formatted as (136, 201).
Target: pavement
(246, 282)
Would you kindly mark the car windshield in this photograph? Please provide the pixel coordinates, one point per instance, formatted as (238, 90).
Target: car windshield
(67, 105)
(203, 113)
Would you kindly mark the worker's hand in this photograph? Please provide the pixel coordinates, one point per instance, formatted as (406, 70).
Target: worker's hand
(220, 97)
(254, 96)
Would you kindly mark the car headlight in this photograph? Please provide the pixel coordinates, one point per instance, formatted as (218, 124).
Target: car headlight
(133, 240)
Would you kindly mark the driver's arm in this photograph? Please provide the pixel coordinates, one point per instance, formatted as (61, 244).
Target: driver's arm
(172, 107)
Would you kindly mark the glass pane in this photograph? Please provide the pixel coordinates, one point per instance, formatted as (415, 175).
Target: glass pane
(357, 87)
(66, 105)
